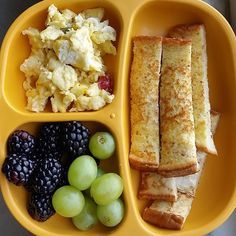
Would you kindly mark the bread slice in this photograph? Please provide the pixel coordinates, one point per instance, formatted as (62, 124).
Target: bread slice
(144, 95)
(187, 184)
(156, 187)
(173, 215)
(178, 150)
(201, 105)
(169, 215)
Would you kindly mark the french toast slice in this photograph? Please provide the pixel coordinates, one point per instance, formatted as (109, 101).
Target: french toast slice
(201, 105)
(172, 215)
(144, 99)
(178, 149)
(169, 215)
(157, 187)
(154, 186)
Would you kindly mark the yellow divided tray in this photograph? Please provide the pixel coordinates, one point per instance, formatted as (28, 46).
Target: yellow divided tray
(216, 196)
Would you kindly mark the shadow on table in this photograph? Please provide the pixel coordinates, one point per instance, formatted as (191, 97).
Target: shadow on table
(8, 225)
(9, 11)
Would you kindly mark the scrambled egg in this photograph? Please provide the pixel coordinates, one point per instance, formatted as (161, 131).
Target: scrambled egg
(66, 61)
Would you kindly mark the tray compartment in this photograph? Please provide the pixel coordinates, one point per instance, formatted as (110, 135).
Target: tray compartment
(156, 18)
(14, 55)
(19, 196)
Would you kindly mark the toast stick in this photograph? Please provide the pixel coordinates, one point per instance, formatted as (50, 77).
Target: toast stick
(144, 94)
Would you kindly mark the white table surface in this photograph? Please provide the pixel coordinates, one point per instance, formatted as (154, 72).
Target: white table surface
(9, 10)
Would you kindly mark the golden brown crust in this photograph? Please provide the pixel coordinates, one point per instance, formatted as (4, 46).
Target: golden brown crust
(183, 28)
(215, 116)
(207, 150)
(173, 41)
(187, 170)
(146, 39)
(136, 164)
(163, 219)
(160, 197)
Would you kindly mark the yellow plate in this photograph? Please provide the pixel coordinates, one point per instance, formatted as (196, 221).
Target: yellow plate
(216, 196)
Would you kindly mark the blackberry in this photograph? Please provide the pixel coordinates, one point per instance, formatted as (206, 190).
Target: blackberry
(75, 138)
(47, 175)
(21, 142)
(29, 186)
(49, 142)
(50, 129)
(64, 178)
(40, 207)
(18, 168)
(35, 157)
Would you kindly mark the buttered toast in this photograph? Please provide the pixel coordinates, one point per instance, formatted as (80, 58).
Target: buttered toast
(201, 105)
(178, 150)
(144, 94)
(173, 215)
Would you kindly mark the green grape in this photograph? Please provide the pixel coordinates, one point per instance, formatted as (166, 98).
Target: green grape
(87, 218)
(106, 188)
(102, 145)
(82, 172)
(100, 172)
(68, 201)
(111, 215)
